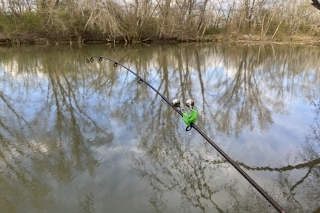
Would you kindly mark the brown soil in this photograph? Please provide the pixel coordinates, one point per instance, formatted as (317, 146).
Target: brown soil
(28, 39)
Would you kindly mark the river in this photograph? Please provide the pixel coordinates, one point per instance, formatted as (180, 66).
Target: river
(87, 137)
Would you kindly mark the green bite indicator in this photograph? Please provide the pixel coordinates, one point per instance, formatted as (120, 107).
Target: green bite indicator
(190, 118)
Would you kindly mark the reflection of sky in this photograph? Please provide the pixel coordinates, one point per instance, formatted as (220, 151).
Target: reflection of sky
(215, 73)
(113, 179)
(270, 147)
(283, 134)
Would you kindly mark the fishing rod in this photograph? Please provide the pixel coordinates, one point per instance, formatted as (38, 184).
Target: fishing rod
(190, 119)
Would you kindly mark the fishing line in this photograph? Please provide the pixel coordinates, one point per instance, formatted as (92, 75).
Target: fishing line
(190, 119)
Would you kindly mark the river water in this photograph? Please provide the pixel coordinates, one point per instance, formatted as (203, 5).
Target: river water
(87, 137)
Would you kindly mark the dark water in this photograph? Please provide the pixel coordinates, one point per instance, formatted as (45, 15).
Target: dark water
(78, 137)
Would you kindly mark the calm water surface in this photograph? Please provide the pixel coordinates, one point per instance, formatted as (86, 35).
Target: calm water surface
(78, 137)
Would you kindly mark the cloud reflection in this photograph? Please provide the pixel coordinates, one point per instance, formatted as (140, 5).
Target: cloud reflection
(57, 113)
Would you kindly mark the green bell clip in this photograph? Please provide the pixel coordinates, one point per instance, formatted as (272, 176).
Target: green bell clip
(190, 118)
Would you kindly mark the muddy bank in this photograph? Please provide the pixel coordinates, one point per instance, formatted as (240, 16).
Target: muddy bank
(29, 39)
(50, 39)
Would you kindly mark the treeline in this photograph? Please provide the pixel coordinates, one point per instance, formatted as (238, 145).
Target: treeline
(149, 20)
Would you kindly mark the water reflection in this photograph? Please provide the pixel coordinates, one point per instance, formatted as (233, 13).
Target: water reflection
(57, 111)
(87, 204)
(308, 184)
(194, 178)
(47, 129)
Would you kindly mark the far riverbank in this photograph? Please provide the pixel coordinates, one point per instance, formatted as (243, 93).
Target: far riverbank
(35, 39)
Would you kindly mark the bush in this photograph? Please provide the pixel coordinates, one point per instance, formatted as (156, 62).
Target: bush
(26, 22)
(30, 22)
(4, 23)
(212, 31)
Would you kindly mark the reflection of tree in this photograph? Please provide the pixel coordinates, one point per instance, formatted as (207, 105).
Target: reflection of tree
(174, 167)
(181, 175)
(242, 94)
(195, 174)
(238, 86)
(241, 103)
(247, 85)
(190, 171)
(307, 184)
(86, 204)
(311, 153)
(165, 176)
(15, 177)
(47, 135)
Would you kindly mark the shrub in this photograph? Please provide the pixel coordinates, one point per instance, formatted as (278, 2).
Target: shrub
(26, 22)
